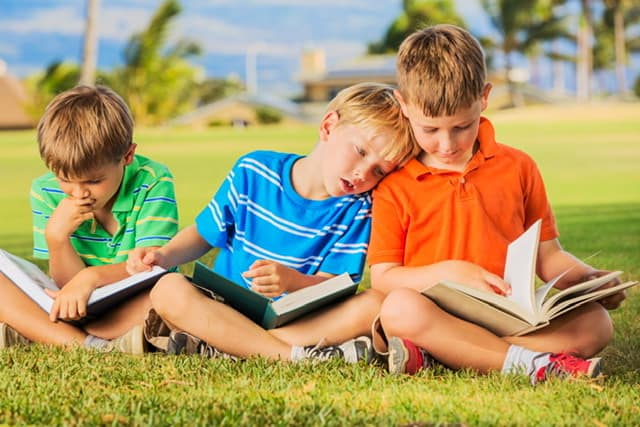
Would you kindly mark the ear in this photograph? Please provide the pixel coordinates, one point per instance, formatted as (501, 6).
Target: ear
(484, 100)
(401, 101)
(328, 123)
(128, 158)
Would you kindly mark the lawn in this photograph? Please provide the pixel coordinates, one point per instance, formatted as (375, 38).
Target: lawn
(589, 158)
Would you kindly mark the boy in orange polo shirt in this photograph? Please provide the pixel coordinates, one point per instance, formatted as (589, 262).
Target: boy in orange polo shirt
(451, 213)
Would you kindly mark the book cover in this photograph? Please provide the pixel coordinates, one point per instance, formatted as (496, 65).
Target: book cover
(32, 281)
(266, 312)
(527, 308)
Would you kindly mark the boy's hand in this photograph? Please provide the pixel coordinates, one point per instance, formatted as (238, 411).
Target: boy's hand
(143, 259)
(473, 275)
(70, 302)
(67, 217)
(610, 302)
(270, 278)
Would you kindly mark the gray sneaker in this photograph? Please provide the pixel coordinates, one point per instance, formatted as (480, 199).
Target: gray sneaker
(131, 342)
(181, 342)
(10, 337)
(353, 351)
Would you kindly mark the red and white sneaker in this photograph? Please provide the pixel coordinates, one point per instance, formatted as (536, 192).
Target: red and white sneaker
(563, 365)
(406, 358)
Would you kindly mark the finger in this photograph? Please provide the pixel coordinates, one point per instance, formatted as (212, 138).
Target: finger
(55, 309)
(53, 294)
(82, 309)
(498, 285)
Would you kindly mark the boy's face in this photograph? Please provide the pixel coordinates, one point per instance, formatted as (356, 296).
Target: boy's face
(447, 141)
(99, 187)
(352, 163)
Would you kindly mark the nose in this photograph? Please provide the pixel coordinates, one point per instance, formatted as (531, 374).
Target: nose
(78, 191)
(446, 142)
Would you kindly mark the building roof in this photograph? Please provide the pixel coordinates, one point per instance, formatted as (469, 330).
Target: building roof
(284, 106)
(13, 99)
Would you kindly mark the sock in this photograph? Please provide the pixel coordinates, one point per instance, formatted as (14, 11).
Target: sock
(520, 360)
(297, 353)
(94, 342)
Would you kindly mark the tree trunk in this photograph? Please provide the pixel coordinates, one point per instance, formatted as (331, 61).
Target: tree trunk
(90, 52)
(585, 54)
(620, 49)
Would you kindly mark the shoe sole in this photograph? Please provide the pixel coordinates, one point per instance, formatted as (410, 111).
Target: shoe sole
(398, 356)
(595, 367)
(137, 341)
(3, 335)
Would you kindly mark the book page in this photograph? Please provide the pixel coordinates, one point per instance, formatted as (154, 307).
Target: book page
(28, 278)
(107, 290)
(311, 293)
(503, 303)
(566, 305)
(520, 269)
(577, 290)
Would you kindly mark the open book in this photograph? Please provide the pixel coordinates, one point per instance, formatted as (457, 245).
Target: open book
(266, 312)
(527, 308)
(32, 281)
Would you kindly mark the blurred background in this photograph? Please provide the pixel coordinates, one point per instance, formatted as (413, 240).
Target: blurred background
(203, 63)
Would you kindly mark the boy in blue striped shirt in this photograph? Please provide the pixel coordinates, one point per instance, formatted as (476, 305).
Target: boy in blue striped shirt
(284, 222)
(98, 202)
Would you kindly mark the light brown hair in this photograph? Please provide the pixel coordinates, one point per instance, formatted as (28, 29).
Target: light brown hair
(374, 108)
(83, 129)
(441, 69)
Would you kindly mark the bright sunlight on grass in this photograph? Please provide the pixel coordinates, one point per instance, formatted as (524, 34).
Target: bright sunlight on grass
(589, 157)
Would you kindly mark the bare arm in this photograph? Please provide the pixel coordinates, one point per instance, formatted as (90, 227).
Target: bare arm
(64, 262)
(553, 260)
(388, 276)
(184, 247)
(272, 279)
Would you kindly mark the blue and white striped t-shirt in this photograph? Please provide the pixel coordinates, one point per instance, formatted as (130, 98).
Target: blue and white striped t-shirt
(257, 214)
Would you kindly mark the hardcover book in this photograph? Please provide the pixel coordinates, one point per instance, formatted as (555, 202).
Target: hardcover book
(263, 310)
(527, 308)
(32, 281)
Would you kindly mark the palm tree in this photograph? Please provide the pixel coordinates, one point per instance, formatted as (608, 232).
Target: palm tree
(156, 80)
(90, 51)
(585, 53)
(612, 43)
(415, 15)
(522, 25)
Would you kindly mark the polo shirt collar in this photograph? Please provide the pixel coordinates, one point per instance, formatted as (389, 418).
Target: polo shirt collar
(487, 149)
(125, 198)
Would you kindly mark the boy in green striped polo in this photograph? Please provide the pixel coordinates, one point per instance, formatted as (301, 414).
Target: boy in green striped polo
(99, 201)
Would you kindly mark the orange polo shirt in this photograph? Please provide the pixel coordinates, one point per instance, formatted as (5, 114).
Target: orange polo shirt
(422, 215)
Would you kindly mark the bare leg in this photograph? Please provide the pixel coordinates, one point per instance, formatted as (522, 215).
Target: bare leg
(21, 313)
(184, 307)
(458, 344)
(121, 318)
(584, 331)
(336, 324)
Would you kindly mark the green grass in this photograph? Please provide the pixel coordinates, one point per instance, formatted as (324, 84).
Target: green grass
(590, 166)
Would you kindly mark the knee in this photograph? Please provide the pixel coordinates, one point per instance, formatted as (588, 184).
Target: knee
(597, 328)
(169, 295)
(400, 311)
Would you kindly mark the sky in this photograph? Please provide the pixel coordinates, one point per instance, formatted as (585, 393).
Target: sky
(35, 33)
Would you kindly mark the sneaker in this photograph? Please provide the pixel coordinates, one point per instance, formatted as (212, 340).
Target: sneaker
(564, 365)
(156, 331)
(406, 358)
(352, 351)
(181, 342)
(132, 342)
(10, 337)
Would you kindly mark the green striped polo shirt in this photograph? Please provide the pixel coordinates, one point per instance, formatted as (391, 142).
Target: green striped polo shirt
(145, 209)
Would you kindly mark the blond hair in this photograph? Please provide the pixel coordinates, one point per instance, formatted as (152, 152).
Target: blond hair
(84, 128)
(374, 107)
(441, 69)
